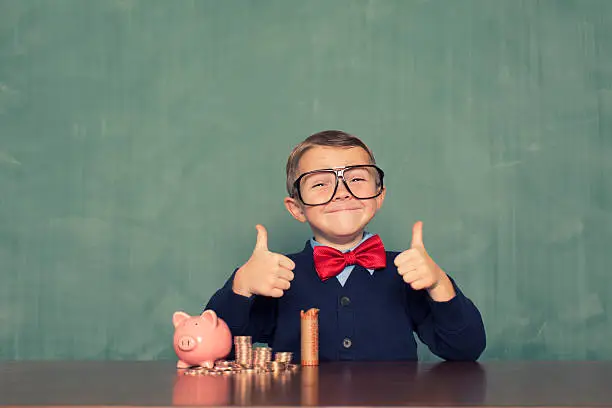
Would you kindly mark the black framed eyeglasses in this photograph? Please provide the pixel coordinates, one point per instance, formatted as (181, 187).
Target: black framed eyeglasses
(318, 187)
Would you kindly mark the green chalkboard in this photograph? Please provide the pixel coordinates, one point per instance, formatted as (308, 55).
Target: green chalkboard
(142, 140)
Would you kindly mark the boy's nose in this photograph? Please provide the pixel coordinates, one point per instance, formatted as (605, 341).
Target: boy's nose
(341, 192)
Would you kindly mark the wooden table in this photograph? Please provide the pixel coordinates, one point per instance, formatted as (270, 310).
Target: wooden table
(115, 383)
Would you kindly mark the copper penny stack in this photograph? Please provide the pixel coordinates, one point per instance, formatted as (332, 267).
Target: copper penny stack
(310, 337)
(283, 357)
(244, 351)
(261, 356)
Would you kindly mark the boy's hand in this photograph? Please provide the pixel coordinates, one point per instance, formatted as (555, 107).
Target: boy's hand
(265, 273)
(420, 271)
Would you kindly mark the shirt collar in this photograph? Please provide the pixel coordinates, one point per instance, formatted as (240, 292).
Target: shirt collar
(366, 235)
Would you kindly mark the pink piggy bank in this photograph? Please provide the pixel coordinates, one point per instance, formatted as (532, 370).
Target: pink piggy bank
(200, 340)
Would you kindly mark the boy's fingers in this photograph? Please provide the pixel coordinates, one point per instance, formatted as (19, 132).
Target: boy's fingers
(276, 293)
(282, 284)
(419, 284)
(404, 269)
(285, 274)
(262, 238)
(406, 256)
(286, 262)
(410, 276)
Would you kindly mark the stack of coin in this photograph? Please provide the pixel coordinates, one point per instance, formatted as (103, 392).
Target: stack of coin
(276, 366)
(244, 350)
(283, 356)
(310, 337)
(261, 356)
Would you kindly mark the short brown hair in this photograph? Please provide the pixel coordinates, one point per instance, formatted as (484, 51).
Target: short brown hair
(331, 138)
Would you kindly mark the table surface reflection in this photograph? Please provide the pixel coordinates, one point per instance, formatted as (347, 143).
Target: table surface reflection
(118, 383)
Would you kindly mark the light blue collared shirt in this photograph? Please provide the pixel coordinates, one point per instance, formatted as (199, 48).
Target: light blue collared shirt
(346, 272)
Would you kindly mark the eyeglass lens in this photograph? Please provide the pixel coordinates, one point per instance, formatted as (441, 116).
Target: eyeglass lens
(318, 187)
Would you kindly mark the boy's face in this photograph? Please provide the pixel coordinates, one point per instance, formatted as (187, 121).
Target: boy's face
(341, 221)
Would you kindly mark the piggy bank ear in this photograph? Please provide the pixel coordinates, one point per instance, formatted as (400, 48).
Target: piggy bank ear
(178, 317)
(210, 316)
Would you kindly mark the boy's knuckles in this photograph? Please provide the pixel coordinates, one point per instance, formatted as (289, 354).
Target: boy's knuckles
(276, 293)
(403, 269)
(410, 277)
(282, 284)
(404, 257)
(285, 274)
(398, 260)
(285, 262)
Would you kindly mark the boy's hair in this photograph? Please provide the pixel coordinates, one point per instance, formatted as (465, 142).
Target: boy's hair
(330, 138)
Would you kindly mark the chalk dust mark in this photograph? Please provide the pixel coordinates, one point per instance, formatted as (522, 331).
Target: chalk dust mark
(507, 164)
(534, 147)
(6, 158)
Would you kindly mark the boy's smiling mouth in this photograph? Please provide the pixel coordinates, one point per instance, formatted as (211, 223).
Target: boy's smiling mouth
(335, 210)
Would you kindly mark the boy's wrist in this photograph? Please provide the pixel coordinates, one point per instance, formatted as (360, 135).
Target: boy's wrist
(241, 291)
(238, 287)
(442, 290)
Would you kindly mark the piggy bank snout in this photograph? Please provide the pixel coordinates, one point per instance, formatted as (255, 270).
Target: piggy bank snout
(186, 343)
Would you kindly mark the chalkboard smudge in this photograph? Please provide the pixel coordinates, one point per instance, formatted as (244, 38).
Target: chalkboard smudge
(507, 164)
(6, 158)
(534, 147)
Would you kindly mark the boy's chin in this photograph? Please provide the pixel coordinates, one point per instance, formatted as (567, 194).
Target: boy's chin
(340, 233)
(341, 227)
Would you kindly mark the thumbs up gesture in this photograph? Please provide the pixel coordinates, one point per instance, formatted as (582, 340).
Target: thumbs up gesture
(265, 273)
(420, 271)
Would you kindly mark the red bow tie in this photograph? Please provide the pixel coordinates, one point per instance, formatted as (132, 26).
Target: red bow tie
(329, 262)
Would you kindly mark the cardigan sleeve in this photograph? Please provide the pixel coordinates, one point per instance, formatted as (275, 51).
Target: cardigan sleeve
(453, 330)
(253, 316)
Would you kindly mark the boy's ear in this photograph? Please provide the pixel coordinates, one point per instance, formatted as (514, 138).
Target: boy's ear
(295, 209)
(381, 198)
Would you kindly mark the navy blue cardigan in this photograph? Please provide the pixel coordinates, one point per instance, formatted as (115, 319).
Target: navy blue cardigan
(373, 317)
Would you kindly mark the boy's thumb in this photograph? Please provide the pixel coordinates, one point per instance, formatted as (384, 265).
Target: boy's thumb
(417, 235)
(262, 238)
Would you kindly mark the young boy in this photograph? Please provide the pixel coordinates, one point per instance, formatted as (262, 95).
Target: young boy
(370, 301)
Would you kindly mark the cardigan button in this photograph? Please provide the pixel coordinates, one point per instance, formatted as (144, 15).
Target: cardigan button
(345, 301)
(347, 343)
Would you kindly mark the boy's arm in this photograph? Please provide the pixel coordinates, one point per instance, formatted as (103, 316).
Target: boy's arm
(452, 329)
(248, 300)
(444, 319)
(253, 316)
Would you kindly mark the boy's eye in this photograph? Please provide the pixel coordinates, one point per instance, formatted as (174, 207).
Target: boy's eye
(318, 185)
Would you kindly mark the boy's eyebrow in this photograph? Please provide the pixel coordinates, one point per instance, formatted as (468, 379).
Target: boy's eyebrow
(346, 167)
(342, 167)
